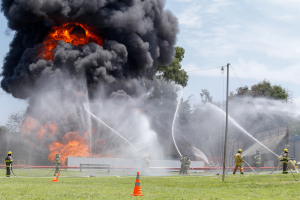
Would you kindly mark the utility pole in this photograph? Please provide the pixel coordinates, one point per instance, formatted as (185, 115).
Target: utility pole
(226, 129)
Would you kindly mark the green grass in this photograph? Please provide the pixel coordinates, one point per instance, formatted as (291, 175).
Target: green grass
(153, 187)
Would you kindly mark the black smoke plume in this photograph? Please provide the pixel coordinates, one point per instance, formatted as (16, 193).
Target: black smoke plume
(138, 35)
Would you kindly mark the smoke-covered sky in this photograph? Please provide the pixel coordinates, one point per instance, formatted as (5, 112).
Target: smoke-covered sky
(258, 38)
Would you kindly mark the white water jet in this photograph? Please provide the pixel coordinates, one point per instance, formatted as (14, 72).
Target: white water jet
(89, 126)
(236, 124)
(174, 122)
(111, 129)
(199, 154)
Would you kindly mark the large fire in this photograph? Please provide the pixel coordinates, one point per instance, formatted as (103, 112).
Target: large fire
(72, 144)
(74, 33)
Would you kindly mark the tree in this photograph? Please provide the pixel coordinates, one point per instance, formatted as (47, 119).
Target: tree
(264, 89)
(15, 121)
(173, 71)
(205, 97)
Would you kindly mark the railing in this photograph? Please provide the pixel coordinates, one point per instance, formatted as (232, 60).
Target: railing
(95, 166)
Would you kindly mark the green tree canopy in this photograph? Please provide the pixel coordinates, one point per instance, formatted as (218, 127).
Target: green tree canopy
(264, 89)
(173, 71)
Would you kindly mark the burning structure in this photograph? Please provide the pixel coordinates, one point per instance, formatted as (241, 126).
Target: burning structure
(68, 52)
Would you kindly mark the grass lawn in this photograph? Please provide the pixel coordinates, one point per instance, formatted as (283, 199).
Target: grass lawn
(238, 186)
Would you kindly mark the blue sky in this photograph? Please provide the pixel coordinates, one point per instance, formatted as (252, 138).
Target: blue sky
(260, 39)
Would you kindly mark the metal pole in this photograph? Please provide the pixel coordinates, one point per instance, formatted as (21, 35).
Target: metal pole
(226, 130)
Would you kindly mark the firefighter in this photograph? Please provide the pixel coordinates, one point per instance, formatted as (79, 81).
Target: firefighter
(257, 158)
(238, 161)
(57, 163)
(280, 162)
(211, 164)
(145, 162)
(285, 160)
(292, 163)
(182, 161)
(186, 165)
(9, 162)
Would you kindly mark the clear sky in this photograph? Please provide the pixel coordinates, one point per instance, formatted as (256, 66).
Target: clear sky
(259, 38)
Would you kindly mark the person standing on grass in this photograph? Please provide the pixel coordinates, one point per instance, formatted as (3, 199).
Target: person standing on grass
(187, 165)
(9, 162)
(238, 161)
(292, 163)
(57, 163)
(285, 161)
(182, 160)
(257, 158)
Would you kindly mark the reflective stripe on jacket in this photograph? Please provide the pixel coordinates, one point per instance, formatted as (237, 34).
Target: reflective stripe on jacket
(285, 158)
(57, 161)
(257, 158)
(238, 159)
(8, 161)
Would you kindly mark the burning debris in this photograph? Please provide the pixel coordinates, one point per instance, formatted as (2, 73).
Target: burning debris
(65, 52)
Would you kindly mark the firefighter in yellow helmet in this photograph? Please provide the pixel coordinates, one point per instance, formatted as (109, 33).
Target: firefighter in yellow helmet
(238, 161)
(285, 160)
(9, 162)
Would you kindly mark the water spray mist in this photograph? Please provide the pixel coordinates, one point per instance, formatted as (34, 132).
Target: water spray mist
(111, 129)
(236, 124)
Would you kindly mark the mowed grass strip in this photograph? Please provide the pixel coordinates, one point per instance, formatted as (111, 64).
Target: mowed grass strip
(170, 187)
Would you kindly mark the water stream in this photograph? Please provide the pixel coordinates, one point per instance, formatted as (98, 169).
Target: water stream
(99, 120)
(175, 120)
(243, 130)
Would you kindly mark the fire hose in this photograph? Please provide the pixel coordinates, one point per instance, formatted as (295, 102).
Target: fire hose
(229, 168)
(293, 175)
(251, 168)
(275, 168)
(12, 172)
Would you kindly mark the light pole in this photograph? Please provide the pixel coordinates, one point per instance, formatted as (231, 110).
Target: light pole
(226, 129)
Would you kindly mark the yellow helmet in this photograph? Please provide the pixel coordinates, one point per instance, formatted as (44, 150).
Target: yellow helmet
(9, 152)
(286, 150)
(240, 150)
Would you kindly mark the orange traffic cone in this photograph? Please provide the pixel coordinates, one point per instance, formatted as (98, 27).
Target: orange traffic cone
(137, 188)
(55, 179)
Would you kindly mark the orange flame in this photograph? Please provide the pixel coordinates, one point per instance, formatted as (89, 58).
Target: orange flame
(74, 33)
(73, 145)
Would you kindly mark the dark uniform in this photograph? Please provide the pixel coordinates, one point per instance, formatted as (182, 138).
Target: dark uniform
(9, 162)
(285, 160)
(56, 162)
(185, 165)
(257, 158)
(182, 160)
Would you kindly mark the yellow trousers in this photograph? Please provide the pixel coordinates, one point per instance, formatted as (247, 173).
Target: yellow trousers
(238, 166)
